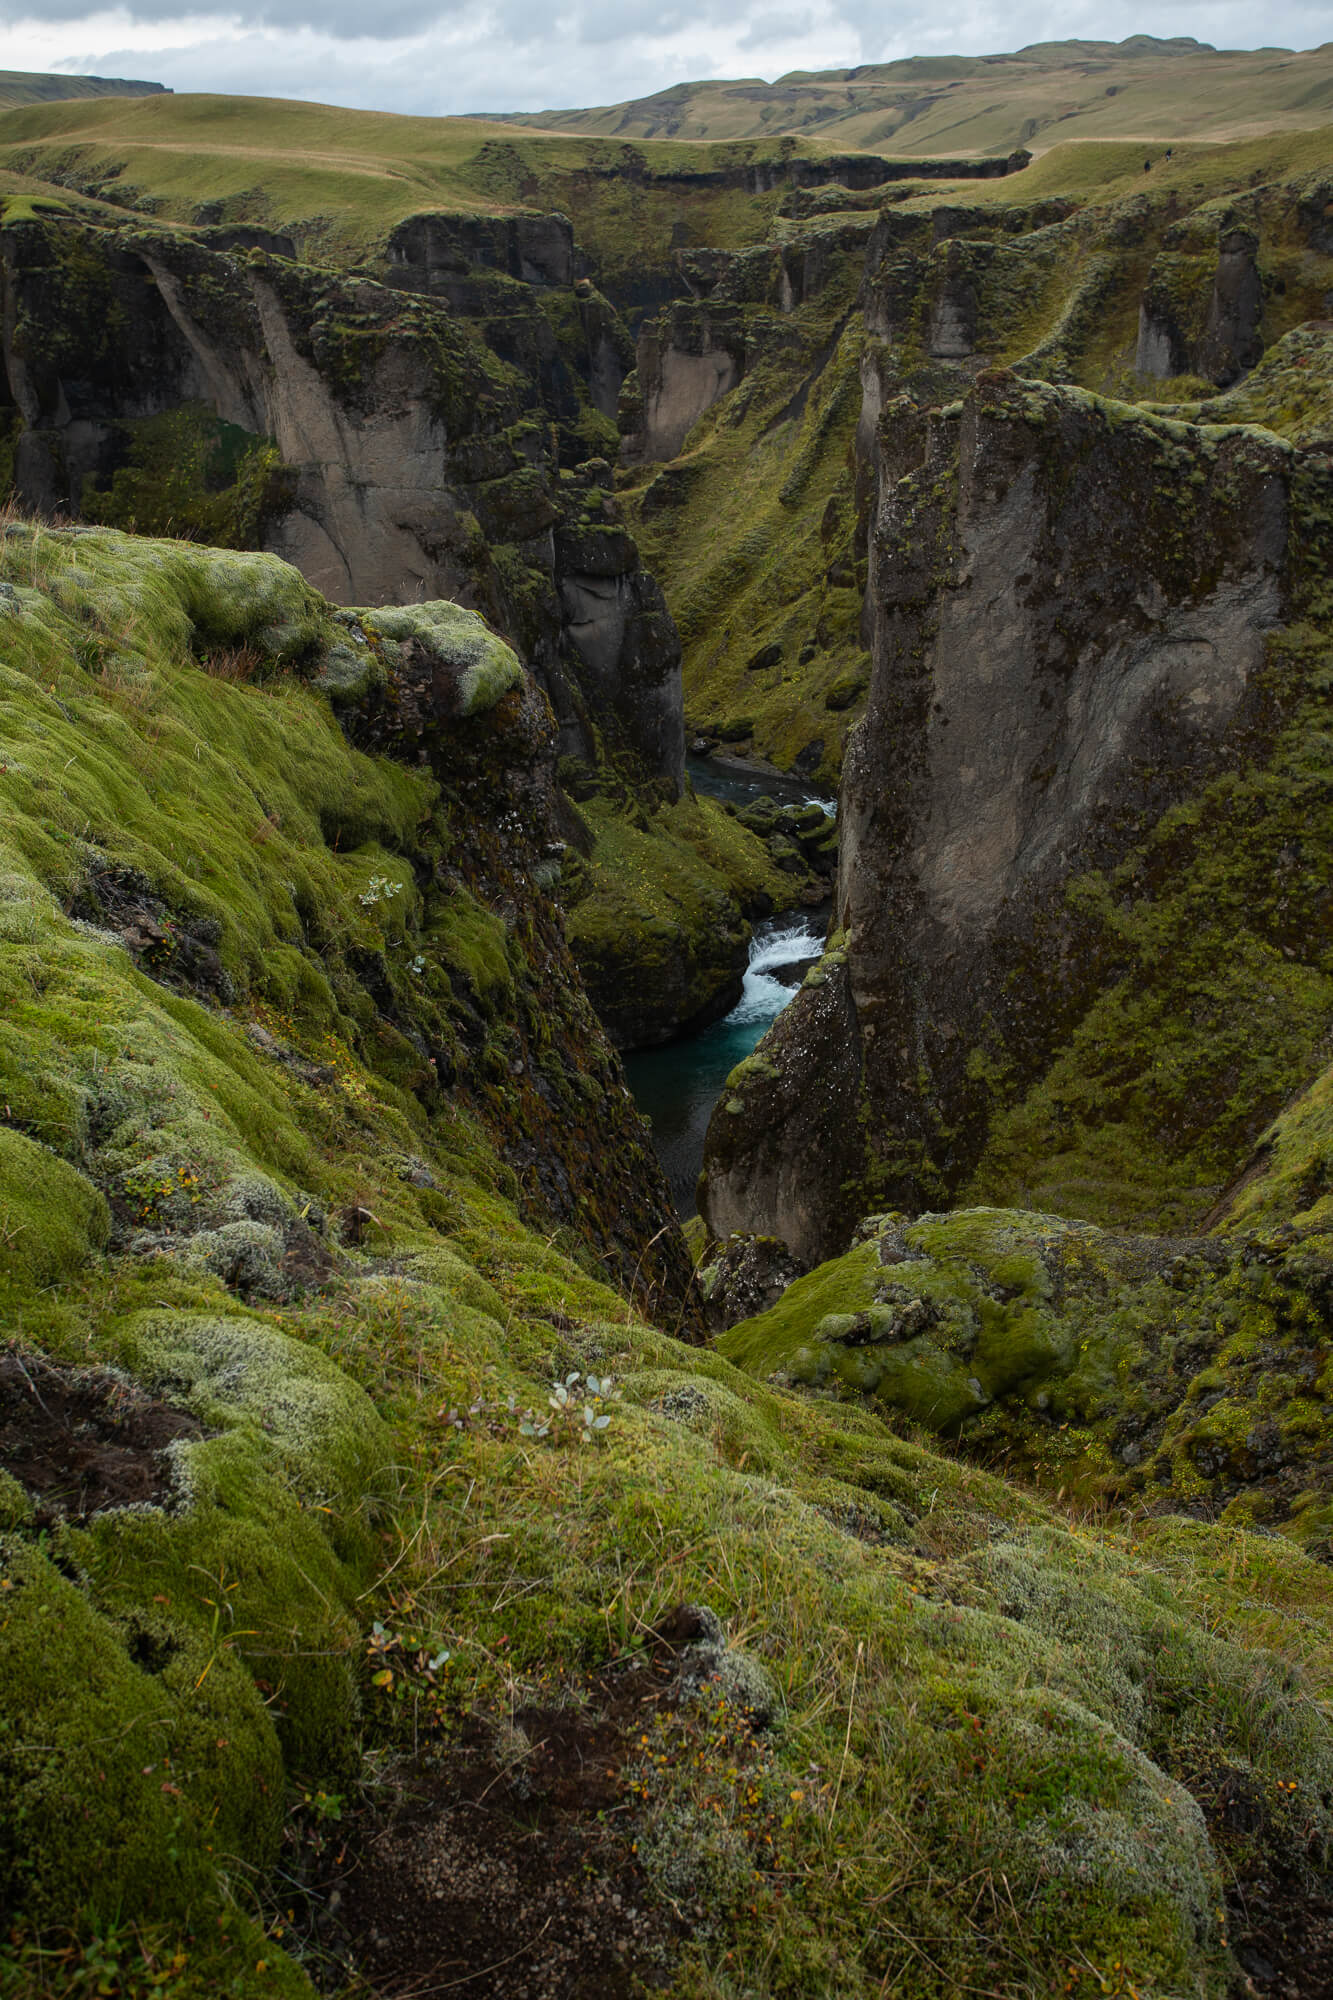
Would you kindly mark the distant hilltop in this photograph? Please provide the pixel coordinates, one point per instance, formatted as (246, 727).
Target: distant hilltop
(19, 86)
(1142, 88)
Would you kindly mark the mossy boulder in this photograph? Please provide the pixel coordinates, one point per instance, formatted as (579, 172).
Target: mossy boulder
(1192, 1372)
(471, 666)
(937, 1319)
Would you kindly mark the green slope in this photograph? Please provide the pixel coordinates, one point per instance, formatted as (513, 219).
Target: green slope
(1141, 89)
(342, 179)
(369, 1572)
(21, 86)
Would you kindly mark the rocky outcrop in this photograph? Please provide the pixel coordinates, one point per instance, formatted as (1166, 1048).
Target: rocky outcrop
(1203, 316)
(414, 467)
(442, 253)
(1070, 605)
(788, 1120)
(687, 361)
(1189, 1370)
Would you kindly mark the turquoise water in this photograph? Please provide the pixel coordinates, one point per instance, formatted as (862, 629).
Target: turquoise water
(677, 1086)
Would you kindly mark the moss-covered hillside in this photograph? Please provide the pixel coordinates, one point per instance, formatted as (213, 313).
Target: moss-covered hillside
(298, 1229)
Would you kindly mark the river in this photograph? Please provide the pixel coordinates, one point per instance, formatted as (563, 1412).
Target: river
(676, 1086)
(733, 782)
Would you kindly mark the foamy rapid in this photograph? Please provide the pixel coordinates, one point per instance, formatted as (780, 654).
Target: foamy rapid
(763, 997)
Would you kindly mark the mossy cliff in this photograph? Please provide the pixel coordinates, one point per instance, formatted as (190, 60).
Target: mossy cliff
(399, 910)
(282, 1228)
(1082, 856)
(404, 450)
(389, 444)
(740, 419)
(1189, 1373)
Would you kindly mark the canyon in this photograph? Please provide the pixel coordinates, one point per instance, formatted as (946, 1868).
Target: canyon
(439, 603)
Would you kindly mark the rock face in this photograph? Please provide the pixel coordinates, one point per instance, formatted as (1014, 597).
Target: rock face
(414, 466)
(442, 253)
(786, 1123)
(686, 363)
(1070, 603)
(1202, 316)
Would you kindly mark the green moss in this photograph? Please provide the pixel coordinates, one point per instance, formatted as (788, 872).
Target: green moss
(52, 1219)
(487, 668)
(1289, 1184)
(955, 1319)
(191, 475)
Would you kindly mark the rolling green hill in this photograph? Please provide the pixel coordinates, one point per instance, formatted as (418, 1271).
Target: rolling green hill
(338, 181)
(341, 179)
(21, 86)
(1141, 89)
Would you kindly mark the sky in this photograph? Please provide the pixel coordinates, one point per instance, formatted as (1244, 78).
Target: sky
(441, 56)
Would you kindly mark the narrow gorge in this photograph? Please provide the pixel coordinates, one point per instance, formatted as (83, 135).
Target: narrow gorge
(666, 1020)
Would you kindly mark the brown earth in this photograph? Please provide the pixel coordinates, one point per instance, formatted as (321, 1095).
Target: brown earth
(505, 1862)
(80, 1440)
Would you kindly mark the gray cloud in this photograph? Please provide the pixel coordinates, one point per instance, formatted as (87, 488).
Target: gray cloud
(437, 56)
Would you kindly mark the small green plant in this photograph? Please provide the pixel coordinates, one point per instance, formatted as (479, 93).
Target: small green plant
(160, 1192)
(379, 889)
(574, 1412)
(409, 1678)
(324, 1806)
(113, 1958)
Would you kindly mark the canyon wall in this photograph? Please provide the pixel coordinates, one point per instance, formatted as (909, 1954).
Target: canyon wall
(418, 458)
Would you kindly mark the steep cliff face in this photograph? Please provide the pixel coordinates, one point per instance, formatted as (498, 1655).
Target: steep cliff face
(1228, 341)
(1076, 609)
(1071, 606)
(684, 365)
(416, 461)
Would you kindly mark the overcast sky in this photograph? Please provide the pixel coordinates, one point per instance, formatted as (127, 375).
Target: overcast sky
(524, 55)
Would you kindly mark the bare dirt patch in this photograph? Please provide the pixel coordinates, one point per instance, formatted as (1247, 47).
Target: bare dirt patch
(79, 1440)
(1279, 1898)
(506, 1861)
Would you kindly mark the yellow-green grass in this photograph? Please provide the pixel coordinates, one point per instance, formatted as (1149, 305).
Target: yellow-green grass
(966, 106)
(342, 179)
(742, 557)
(347, 176)
(20, 86)
(1110, 169)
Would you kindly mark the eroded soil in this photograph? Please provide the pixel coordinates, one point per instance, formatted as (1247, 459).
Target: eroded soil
(506, 1862)
(79, 1440)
